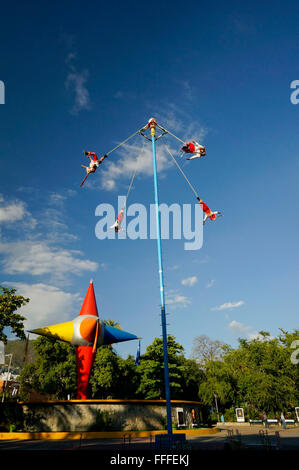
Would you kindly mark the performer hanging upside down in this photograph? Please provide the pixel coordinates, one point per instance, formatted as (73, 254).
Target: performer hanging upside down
(208, 213)
(94, 162)
(194, 147)
(117, 223)
(93, 165)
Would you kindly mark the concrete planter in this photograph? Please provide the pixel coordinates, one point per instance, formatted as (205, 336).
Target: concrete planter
(106, 415)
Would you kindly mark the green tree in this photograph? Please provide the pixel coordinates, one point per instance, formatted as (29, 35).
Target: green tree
(53, 371)
(113, 376)
(258, 375)
(9, 304)
(219, 381)
(264, 373)
(291, 343)
(105, 373)
(130, 379)
(114, 324)
(191, 377)
(151, 369)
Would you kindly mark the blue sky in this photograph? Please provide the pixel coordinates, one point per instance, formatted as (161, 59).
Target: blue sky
(86, 76)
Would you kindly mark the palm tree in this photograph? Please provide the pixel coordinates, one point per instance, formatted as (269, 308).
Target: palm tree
(114, 324)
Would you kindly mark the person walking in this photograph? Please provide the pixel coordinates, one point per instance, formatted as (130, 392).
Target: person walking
(265, 420)
(283, 420)
(222, 420)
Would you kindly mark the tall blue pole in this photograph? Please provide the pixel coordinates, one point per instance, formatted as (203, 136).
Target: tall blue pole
(161, 279)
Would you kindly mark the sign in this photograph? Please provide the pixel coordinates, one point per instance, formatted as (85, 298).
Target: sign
(297, 413)
(240, 415)
(2, 92)
(180, 415)
(2, 356)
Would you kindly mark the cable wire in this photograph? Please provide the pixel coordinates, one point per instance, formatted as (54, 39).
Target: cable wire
(134, 174)
(194, 191)
(123, 142)
(170, 133)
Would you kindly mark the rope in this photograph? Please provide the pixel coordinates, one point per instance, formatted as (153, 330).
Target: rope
(170, 133)
(134, 174)
(139, 132)
(182, 172)
(123, 142)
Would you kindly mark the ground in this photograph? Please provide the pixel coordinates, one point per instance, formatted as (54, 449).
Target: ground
(255, 438)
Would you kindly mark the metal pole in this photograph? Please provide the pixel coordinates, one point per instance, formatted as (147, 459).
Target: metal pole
(216, 405)
(8, 370)
(161, 279)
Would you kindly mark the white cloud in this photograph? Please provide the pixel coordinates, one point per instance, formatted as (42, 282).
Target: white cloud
(53, 223)
(229, 305)
(14, 211)
(39, 258)
(190, 281)
(174, 119)
(210, 283)
(125, 165)
(238, 327)
(174, 300)
(118, 94)
(173, 268)
(48, 304)
(76, 82)
(53, 217)
(36, 249)
(57, 199)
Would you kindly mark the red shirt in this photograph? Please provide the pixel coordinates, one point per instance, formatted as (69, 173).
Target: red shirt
(191, 147)
(205, 208)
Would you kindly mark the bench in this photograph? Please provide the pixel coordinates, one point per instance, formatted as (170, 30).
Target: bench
(255, 421)
(290, 421)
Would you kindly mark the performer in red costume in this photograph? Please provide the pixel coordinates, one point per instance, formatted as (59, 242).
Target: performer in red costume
(93, 165)
(117, 223)
(212, 215)
(194, 147)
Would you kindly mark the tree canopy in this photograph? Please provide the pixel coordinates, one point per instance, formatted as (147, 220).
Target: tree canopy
(9, 304)
(112, 376)
(183, 373)
(258, 375)
(53, 372)
(206, 349)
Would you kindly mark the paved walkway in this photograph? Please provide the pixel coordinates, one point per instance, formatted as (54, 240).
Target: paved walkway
(250, 438)
(253, 437)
